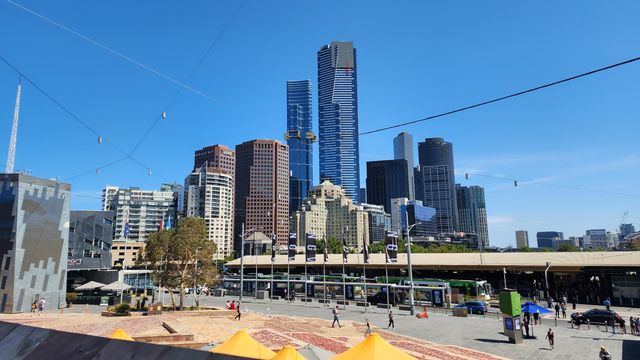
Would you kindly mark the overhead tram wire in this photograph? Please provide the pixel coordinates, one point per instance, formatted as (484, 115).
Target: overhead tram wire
(523, 92)
(115, 52)
(191, 74)
(72, 115)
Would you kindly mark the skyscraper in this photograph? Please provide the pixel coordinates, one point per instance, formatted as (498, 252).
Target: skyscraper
(435, 182)
(549, 239)
(300, 138)
(386, 180)
(262, 190)
(472, 212)
(403, 149)
(216, 156)
(522, 239)
(338, 116)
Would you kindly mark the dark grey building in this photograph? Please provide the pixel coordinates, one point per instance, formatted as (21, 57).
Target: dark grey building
(403, 150)
(34, 216)
(472, 212)
(90, 239)
(379, 222)
(435, 182)
(423, 229)
(549, 239)
(386, 180)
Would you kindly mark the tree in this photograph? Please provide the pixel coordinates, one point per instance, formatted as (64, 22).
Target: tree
(526, 249)
(567, 248)
(334, 246)
(182, 256)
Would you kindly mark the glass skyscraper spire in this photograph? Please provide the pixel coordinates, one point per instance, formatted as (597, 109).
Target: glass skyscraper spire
(300, 139)
(338, 116)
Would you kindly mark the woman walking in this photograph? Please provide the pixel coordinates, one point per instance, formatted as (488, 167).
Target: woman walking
(550, 336)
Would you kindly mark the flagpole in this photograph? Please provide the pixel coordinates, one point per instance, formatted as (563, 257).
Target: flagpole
(324, 272)
(271, 286)
(364, 269)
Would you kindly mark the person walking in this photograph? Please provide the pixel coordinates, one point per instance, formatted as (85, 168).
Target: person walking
(367, 331)
(228, 305)
(391, 323)
(607, 303)
(34, 307)
(563, 307)
(623, 329)
(557, 307)
(233, 305)
(604, 354)
(335, 317)
(41, 304)
(239, 314)
(574, 300)
(526, 326)
(536, 318)
(550, 336)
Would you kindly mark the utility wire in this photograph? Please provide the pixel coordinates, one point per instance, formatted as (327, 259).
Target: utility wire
(503, 97)
(115, 52)
(191, 74)
(93, 170)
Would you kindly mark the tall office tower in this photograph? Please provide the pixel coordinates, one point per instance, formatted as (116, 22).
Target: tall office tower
(300, 138)
(596, 238)
(472, 212)
(137, 213)
(216, 156)
(209, 194)
(262, 190)
(522, 239)
(338, 116)
(403, 150)
(34, 238)
(379, 222)
(625, 229)
(386, 180)
(435, 182)
(549, 239)
(90, 240)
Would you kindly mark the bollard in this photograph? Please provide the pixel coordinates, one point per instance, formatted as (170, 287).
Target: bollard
(498, 315)
(555, 320)
(588, 324)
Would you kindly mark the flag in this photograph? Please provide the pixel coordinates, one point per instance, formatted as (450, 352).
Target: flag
(274, 240)
(162, 224)
(126, 229)
(391, 246)
(325, 250)
(365, 254)
(345, 250)
(293, 245)
(310, 248)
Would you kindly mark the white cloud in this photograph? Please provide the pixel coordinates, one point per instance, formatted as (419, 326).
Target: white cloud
(498, 219)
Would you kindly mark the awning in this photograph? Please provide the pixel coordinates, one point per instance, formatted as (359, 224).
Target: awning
(241, 344)
(288, 352)
(116, 286)
(374, 348)
(91, 285)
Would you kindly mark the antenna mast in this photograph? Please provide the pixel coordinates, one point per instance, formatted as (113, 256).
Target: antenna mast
(11, 157)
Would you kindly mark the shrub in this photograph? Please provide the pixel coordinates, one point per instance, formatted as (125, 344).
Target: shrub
(71, 297)
(122, 308)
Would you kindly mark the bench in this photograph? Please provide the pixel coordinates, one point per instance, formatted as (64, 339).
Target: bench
(306, 299)
(323, 301)
(362, 303)
(383, 306)
(404, 307)
(342, 302)
(275, 297)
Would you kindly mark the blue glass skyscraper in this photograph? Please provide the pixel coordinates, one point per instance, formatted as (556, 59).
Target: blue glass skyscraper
(300, 139)
(338, 116)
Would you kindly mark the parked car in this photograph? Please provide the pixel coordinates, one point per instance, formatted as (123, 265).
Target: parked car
(473, 307)
(381, 298)
(600, 316)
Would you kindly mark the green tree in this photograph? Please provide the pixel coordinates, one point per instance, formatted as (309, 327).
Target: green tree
(334, 246)
(182, 257)
(526, 249)
(567, 248)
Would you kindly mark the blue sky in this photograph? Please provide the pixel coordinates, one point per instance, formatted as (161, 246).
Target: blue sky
(415, 58)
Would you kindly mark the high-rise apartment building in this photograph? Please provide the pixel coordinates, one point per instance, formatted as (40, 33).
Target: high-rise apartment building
(549, 239)
(218, 157)
(472, 212)
(90, 240)
(522, 239)
(379, 222)
(329, 212)
(209, 195)
(137, 212)
(262, 190)
(386, 180)
(300, 138)
(338, 116)
(435, 182)
(403, 150)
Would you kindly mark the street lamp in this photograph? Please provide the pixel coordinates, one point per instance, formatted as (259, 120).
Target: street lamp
(412, 310)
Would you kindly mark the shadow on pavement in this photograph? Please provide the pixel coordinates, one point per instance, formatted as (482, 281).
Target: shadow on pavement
(495, 341)
(630, 349)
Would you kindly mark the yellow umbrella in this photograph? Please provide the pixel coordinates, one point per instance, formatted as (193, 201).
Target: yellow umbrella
(241, 344)
(373, 348)
(120, 334)
(288, 352)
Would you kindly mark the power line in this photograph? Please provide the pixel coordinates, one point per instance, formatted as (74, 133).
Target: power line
(193, 71)
(115, 52)
(97, 169)
(503, 97)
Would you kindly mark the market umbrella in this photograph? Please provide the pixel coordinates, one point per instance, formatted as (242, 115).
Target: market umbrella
(241, 344)
(531, 308)
(116, 286)
(374, 348)
(315, 353)
(288, 352)
(91, 285)
(120, 334)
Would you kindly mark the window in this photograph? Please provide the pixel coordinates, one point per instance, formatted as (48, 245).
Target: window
(4, 283)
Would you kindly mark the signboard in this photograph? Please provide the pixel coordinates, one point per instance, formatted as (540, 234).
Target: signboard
(293, 246)
(349, 290)
(391, 246)
(311, 290)
(437, 297)
(104, 301)
(310, 248)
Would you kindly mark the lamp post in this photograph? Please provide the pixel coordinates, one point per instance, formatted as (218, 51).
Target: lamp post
(255, 257)
(241, 261)
(412, 311)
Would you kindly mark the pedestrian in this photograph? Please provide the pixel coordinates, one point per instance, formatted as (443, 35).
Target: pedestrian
(367, 331)
(41, 306)
(228, 305)
(564, 299)
(636, 325)
(607, 303)
(604, 354)
(563, 307)
(557, 307)
(536, 318)
(550, 336)
(233, 305)
(574, 300)
(623, 329)
(391, 323)
(526, 326)
(335, 317)
(34, 307)
(632, 325)
(238, 315)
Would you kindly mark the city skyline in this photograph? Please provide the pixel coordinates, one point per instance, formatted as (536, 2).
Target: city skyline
(538, 139)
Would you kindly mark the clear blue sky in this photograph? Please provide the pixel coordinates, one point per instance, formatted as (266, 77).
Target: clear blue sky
(415, 58)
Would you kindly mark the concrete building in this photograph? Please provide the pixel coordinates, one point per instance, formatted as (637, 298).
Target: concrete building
(386, 180)
(216, 156)
(34, 241)
(612, 240)
(262, 190)
(435, 182)
(379, 222)
(137, 212)
(472, 212)
(329, 212)
(403, 150)
(549, 239)
(338, 116)
(178, 190)
(125, 253)
(209, 194)
(522, 239)
(596, 239)
(90, 240)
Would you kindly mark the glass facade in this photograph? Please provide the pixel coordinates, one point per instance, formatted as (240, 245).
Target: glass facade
(300, 140)
(386, 180)
(472, 212)
(403, 150)
(338, 117)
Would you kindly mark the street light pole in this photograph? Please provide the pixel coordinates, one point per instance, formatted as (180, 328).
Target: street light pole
(412, 310)
(255, 253)
(241, 261)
